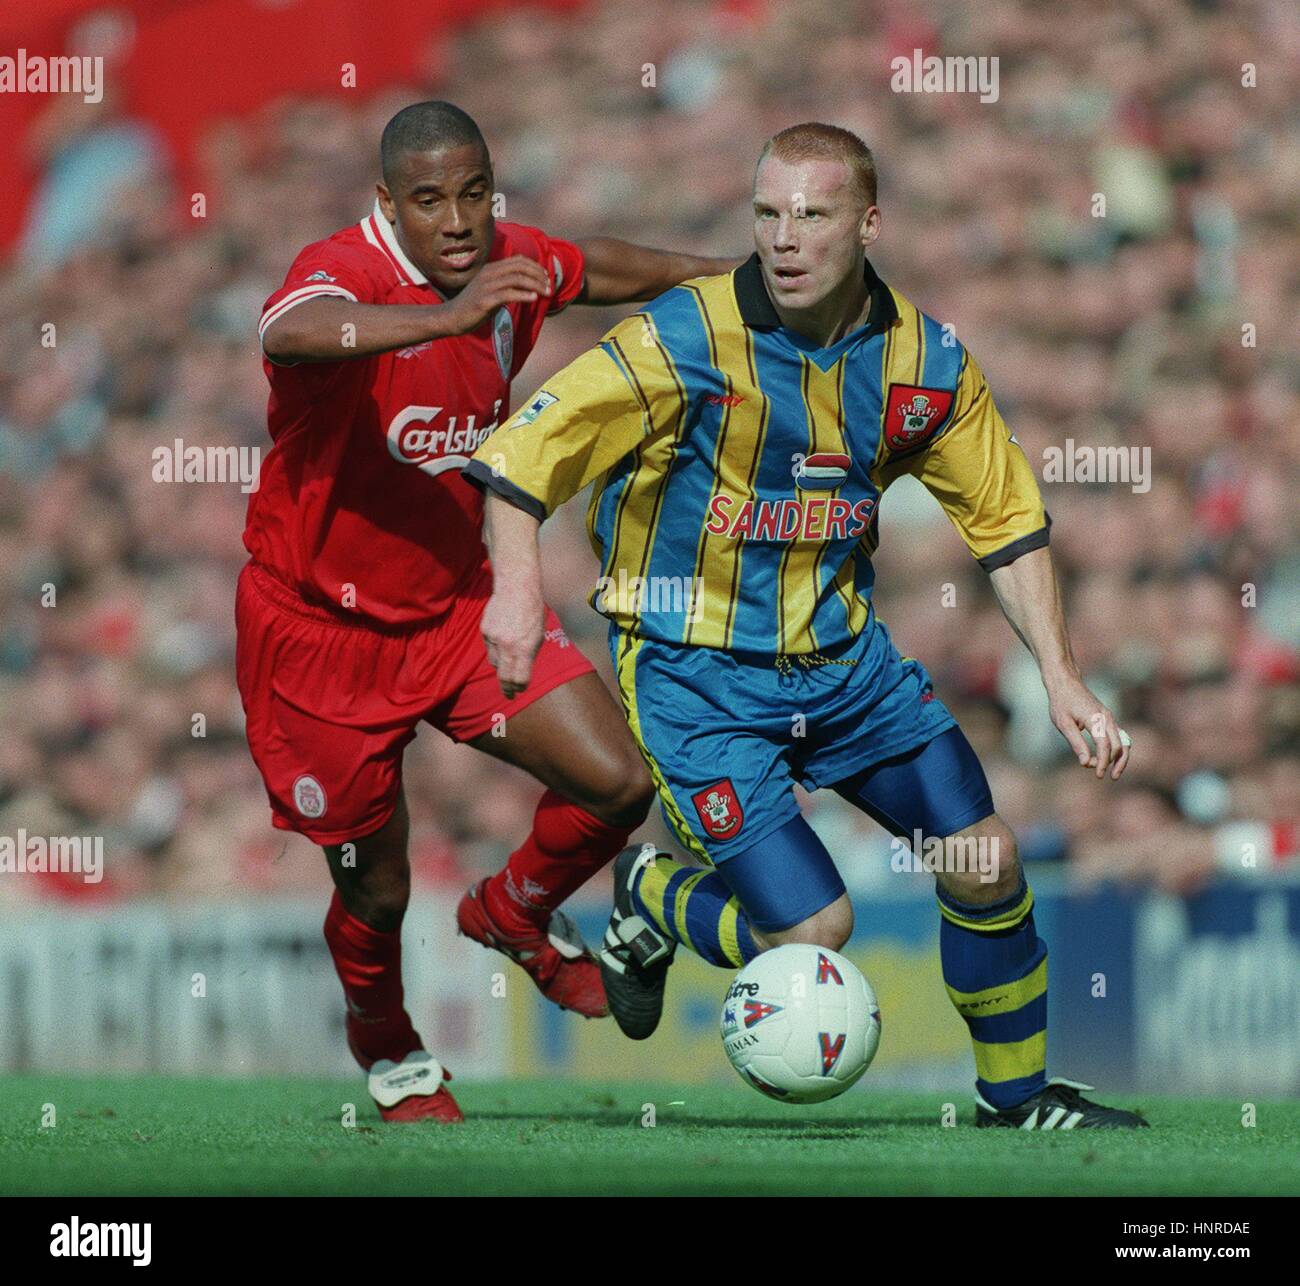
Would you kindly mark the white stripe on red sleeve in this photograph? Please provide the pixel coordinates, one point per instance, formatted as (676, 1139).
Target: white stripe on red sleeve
(296, 297)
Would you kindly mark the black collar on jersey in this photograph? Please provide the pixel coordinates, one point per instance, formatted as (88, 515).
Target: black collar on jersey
(756, 307)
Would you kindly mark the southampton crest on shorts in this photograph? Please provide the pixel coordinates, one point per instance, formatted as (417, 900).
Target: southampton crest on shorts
(719, 809)
(503, 340)
(913, 415)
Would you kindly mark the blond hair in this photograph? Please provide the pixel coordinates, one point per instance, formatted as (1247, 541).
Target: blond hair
(815, 141)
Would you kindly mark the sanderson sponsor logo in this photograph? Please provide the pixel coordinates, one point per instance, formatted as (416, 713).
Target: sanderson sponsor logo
(817, 518)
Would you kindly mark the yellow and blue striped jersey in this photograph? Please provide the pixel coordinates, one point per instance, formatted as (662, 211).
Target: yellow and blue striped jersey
(737, 459)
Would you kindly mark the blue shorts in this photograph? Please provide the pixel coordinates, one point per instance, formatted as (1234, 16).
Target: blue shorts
(727, 735)
(937, 789)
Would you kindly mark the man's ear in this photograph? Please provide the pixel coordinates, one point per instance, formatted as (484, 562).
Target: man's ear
(386, 205)
(869, 227)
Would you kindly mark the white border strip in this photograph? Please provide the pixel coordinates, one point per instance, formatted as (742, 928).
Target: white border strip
(296, 297)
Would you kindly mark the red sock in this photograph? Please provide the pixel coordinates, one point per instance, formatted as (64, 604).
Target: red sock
(565, 848)
(369, 965)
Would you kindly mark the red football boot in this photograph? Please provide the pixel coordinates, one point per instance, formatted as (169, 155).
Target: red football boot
(556, 959)
(401, 1090)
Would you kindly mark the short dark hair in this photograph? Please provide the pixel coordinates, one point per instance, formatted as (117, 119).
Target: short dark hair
(426, 127)
(815, 140)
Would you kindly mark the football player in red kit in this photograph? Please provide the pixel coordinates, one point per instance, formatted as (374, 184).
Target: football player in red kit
(390, 349)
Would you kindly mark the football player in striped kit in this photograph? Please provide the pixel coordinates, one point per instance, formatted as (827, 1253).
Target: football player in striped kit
(741, 431)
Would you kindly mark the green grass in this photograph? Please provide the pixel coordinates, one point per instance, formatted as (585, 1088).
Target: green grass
(163, 1135)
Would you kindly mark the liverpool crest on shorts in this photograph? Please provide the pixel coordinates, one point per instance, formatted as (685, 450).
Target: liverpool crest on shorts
(309, 796)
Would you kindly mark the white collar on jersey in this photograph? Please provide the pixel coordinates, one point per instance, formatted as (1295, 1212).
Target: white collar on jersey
(389, 239)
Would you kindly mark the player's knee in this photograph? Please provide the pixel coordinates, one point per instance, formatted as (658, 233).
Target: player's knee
(1005, 862)
(835, 924)
(375, 886)
(989, 865)
(380, 903)
(831, 927)
(626, 793)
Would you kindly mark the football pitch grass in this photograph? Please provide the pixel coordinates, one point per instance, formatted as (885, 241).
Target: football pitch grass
(149, 1136)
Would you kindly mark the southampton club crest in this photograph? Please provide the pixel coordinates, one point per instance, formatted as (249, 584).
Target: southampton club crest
(913, 415)
(719, 809)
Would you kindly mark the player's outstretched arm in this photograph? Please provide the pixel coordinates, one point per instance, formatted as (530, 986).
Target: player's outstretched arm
(333, 329)
(618, 272)
(1030, 596)
(514, 617)
(586, 418)
(980, 475)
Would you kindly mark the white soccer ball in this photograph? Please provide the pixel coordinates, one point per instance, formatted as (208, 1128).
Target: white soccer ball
(800, 1023)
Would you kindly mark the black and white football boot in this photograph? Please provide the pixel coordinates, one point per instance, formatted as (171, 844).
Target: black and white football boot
(1058, 1106)
(634, 958)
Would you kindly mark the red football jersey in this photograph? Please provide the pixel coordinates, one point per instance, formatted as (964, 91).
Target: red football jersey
(362, 487)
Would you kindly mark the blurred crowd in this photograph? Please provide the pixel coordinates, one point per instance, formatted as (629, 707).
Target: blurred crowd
(1165, 321)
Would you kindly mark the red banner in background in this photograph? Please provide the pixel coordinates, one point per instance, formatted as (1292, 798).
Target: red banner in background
(181, 66)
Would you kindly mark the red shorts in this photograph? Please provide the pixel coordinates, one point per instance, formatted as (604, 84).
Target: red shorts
(331, 704)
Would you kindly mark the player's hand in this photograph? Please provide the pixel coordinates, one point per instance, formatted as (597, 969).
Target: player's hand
(1079, 715)
(516, 280)
(512, 629)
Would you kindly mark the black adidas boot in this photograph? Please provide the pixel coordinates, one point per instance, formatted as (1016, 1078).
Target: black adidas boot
(635, 957)
(1058, 1106)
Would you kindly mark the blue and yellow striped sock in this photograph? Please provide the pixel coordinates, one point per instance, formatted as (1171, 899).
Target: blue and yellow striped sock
(693, 906)
(995, 968)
